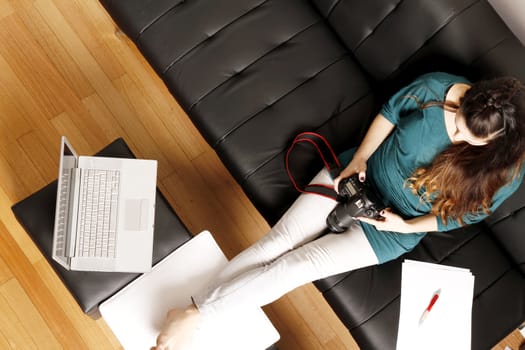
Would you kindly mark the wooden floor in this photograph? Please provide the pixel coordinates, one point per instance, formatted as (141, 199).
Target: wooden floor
(67, 70)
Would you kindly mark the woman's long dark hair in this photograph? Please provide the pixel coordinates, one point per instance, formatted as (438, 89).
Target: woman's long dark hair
(463, 179)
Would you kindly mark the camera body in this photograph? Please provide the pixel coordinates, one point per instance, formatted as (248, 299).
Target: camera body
(358, 199)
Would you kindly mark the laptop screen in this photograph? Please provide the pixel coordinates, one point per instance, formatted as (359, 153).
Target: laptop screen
(68, 161)
(69, 158)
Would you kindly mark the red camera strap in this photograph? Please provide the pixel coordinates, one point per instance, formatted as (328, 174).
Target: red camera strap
(328, 157)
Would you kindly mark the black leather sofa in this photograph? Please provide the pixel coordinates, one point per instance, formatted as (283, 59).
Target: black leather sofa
(252, 74)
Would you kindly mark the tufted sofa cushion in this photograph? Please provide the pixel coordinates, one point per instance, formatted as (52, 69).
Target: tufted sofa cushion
(391, 37)
(250, 73)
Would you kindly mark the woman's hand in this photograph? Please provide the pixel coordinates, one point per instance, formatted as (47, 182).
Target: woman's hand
(395, 223)
(391, 222)
(356, 166)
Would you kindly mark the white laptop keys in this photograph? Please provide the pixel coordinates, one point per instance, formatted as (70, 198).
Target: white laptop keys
(105, 213)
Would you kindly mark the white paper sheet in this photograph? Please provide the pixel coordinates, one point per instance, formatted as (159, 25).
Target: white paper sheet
(448, 324)
(137, 312)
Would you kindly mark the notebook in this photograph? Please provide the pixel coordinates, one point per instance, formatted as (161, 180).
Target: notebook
(137, 312)
(105, 212)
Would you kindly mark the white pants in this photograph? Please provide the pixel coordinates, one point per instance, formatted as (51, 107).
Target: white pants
(288, 257)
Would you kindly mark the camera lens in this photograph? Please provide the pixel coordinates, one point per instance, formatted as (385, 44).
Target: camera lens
(369, 213)
(333, 223)
(340, 218)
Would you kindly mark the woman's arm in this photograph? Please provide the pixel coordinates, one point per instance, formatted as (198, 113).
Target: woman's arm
(376, 134)
(395, 223)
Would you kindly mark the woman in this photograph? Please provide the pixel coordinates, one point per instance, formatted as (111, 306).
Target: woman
(436, 133)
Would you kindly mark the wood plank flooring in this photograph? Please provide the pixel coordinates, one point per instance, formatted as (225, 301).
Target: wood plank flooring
(68, 70)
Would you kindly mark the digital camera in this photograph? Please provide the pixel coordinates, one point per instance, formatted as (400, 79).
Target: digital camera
(358, 199)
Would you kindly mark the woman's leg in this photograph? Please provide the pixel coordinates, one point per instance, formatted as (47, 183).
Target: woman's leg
(301, 223)
(328, 255)
(323, 257)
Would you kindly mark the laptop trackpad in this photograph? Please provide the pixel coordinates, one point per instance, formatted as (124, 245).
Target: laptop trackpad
(136, 214)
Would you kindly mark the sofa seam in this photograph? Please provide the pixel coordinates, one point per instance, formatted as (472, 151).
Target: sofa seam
(295, 35)
(362, 41)
(388, 303)
(446, 23)
(334, 6)
(171, 64)
(493, 283)
(479, 226)
(158, 17)
(269, 159)
(246, 120)
(495, 46)
(476, 296)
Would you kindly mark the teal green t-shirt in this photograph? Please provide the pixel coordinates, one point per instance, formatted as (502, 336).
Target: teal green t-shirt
(418, 137)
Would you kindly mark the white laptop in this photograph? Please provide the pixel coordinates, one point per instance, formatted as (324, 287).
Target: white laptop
(105, 213)
(137, 312)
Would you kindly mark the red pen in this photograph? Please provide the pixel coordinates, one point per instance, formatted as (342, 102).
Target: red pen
(435, 297)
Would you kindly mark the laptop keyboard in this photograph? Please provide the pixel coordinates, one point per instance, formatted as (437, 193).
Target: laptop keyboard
(97, 223)
(63, 205)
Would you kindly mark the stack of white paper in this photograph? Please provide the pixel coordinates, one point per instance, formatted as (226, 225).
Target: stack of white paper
(448, 323)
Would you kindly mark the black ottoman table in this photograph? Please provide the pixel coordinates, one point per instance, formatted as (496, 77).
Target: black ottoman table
(37, 212)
